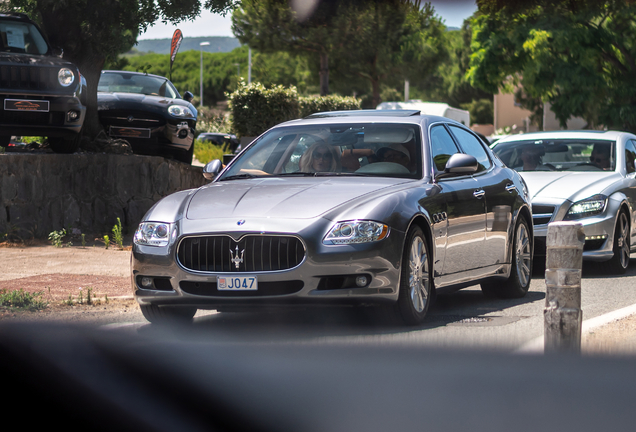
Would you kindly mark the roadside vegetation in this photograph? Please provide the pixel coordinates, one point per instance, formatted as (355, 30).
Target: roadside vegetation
(22, 300)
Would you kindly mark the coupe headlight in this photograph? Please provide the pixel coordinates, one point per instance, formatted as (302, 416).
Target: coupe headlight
(65, 77)
(588, 207)
(357, 231)
(180, 111)
(153, 234)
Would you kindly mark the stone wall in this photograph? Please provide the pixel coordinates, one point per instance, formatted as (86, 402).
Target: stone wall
(40, 193)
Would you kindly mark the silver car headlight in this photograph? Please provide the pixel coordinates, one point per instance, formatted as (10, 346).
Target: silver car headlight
(180, 111)
(153, 234)
(356, 231)
(65, 77)
(588, 207)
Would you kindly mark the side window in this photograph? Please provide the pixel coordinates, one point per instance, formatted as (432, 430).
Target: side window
(630, 156)
(472, 146)
(442, 146)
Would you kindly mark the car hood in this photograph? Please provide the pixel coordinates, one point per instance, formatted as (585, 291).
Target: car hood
(120, 100)
(33, 60)
(568, 185)
(280, 198)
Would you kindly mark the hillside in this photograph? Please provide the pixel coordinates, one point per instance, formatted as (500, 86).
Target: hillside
(162, 46)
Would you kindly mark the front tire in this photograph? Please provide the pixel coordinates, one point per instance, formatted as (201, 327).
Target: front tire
(620, 261)
(185, 155)
(517, 284)
(416, 282)
(65, 145)
(5, 140)
(168, 315)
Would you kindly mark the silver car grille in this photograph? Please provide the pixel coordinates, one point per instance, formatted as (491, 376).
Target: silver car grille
(253, 253)
(542, 214)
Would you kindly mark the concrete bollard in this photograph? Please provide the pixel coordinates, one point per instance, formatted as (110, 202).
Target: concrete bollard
(562, 314)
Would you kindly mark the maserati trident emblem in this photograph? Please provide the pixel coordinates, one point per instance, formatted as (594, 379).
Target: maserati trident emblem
(235, 259)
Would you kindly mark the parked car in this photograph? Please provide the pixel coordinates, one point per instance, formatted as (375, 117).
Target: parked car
(220, 139)
(585, 176)
(381, 208)
(42, 94)
(147, 111)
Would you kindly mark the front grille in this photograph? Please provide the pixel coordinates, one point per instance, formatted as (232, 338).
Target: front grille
(264, 289)
(131, 118)
(32, 118)
(253, 253)
(29, 78)
(541, 214)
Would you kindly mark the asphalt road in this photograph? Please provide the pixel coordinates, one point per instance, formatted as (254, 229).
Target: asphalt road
(465, 319)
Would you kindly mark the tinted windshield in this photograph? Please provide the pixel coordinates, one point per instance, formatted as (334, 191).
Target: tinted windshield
(558, 155)
(123, 82)
(383, 150)
(21, 37)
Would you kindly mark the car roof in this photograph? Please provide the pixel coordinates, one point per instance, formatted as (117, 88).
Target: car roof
(370, 116)
(565, 134)
(134, 73)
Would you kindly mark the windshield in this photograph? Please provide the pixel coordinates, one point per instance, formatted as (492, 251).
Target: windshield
(377, 150)
(122, 82)
(558, 155)
(21, 37)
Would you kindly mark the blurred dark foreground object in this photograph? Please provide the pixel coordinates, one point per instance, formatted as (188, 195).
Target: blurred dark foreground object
(96, 380)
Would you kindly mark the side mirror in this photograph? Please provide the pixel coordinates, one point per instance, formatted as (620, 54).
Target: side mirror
(460, 163)
(212, 169)
(188, 96)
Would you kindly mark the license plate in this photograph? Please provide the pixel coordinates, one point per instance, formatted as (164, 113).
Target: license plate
(26, 105)
(116, 131)
(236, 283)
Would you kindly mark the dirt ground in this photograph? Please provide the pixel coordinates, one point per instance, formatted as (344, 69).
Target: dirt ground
(66, 275)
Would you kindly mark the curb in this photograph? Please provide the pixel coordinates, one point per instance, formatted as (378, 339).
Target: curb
(535, 346)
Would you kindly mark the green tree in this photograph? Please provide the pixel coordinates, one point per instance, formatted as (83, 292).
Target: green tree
(92, 31)
(578, 55)
(390, 41)
(272, 25)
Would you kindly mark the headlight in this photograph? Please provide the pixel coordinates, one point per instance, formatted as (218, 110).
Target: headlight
(180, 111)
(357, 231)
(588, 207)
(65, 77)
(153, 234)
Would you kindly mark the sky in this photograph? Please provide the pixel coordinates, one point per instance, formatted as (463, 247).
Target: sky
(453, 13)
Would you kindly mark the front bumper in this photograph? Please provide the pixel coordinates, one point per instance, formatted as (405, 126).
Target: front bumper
(599, 230)
(325, 276)
(169, 136)
(54, 123)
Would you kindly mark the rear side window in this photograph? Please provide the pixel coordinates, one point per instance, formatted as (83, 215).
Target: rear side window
(472, 146)
(630, 156)
(442, 146)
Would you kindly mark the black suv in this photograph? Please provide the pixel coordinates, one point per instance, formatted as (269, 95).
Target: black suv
(40, 94)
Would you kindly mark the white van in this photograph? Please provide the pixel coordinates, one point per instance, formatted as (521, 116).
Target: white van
(432, 108)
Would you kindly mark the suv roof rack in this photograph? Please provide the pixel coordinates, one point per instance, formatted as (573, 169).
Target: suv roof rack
(19, 15)
(372, 112)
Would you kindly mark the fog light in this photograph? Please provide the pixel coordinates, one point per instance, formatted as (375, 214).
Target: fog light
(72, 116)
(362, 281)
(183, 133)
(146, 282)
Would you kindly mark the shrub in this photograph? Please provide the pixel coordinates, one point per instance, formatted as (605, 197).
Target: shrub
(205, 151)
(255, 108)
(314, 104)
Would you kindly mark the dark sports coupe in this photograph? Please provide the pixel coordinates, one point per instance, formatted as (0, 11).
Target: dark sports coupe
(147, 111)
(372, 208)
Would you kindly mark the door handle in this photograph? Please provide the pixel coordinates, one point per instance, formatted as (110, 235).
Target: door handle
(479, 193)
(511, 188)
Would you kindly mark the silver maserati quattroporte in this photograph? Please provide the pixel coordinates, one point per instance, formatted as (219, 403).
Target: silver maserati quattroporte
(365, 208)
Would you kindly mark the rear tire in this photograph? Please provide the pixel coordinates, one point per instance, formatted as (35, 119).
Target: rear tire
(620, 261)
(168, 315)
(517, 284)
(65, 145)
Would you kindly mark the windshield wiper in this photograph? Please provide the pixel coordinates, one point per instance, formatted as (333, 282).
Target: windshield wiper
(239, 176)
(296, 174)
